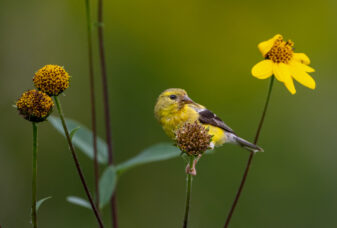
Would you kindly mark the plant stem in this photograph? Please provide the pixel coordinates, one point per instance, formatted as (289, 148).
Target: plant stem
(78, 167)
(106, 106)
(250, 159)
(34, 180)
(266, 105)
(188, 194)
(92, 100)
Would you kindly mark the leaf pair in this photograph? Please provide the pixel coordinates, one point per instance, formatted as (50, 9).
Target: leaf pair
(82, 139)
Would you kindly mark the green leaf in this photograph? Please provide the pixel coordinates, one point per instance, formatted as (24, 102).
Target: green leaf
(82, 139)
(107, 185)
(38, 203)
(157, 152)
(79, 201)
(73, 132)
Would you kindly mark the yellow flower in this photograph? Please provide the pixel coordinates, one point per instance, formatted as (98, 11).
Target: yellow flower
(51, 79)
(281, 61)
(35, 105)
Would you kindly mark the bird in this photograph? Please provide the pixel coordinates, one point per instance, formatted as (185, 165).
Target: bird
(175, 108)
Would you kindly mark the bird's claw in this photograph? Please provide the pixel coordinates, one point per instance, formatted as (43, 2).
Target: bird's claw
(192, 170)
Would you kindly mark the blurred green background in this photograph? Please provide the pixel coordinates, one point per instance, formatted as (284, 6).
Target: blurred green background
(205, 47)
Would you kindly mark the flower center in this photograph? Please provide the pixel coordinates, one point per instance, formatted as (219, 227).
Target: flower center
(281, 52)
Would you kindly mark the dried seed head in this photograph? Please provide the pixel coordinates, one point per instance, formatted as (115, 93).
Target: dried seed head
(193, 138)
(51, 79)
(34, 105)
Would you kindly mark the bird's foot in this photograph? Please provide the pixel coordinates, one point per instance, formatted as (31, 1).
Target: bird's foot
(192, 170)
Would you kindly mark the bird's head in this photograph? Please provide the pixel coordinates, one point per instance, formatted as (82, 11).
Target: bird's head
(171, 101)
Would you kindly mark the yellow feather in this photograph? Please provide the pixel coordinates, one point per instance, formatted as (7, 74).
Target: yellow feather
(174, 108)
(219, 136)
(171, 123)
(172, 114)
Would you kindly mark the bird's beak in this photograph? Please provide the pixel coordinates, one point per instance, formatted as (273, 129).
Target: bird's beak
(187, 100)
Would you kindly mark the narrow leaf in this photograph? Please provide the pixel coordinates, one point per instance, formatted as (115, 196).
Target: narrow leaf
(73, 132)
(158, 152)
(40, 202)
(79, 201)
(107, 185)
(82, 139)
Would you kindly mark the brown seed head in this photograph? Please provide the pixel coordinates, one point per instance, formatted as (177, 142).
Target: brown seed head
(281, 52)
(193, 138)
(34, 105)
(51, 79)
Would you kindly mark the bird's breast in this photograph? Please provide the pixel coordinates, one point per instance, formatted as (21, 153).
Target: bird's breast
(175, 120)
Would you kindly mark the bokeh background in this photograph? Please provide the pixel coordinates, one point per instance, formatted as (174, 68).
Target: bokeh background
(207, 48)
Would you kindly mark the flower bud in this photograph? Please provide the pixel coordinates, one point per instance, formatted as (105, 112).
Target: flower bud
(51, 79)
(34, 105)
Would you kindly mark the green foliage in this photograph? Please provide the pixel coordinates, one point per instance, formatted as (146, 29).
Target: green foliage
(157, 152)
(40, 202)
(82, 139)
(79, 201)
(107, 185)
(73, 132)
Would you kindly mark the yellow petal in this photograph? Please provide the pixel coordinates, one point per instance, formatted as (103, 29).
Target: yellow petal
(303, 77)
(263, 69)
(302, 58)
(282, 73)
(265, 46)
(308, 68)
(289, 83)
(301, 66)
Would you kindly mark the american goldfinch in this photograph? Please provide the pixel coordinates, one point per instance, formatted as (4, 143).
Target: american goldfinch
(174, 108)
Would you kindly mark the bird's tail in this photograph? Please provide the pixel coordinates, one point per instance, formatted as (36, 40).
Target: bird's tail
(244, 143)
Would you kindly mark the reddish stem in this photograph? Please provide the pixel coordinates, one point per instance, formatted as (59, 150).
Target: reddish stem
(245, 174)
(106, 105)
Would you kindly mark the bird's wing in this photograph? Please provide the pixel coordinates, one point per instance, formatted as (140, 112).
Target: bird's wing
(208, 117)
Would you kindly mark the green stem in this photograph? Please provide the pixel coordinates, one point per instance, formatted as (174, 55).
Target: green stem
(34, 181)
(78, 167)
(250, 159)
(188, 194)
(92, 99)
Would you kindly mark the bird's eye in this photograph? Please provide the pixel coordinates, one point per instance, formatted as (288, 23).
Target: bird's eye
(173, 97)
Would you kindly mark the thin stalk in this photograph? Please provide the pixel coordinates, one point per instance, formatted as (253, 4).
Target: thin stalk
(257, 135)
(34, 180)
(78, 167)
(188, 194)
(250, 159)
(113, 203)
(92, 100)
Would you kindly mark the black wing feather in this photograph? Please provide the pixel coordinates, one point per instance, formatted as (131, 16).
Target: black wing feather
(208, 117)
